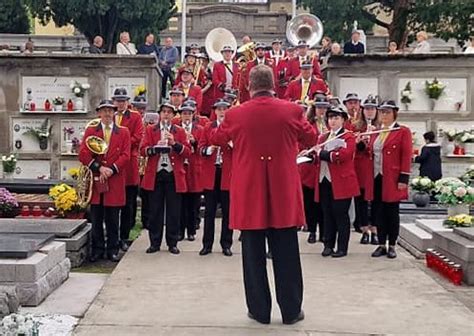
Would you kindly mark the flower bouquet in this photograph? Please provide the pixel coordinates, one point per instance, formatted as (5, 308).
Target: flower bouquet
(450, 134)
(407, 95)
(462, 220)
(66, 201)
(8, 164)
(454, 193)
(466, 138)
(434, 90)
(79, 89)
(422, 187)
(42, 134)
(140, 90)
(468, 176)
(17, 324)
(73, 172)
(8, 204)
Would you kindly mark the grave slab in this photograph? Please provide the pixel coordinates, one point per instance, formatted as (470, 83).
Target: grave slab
(432, 225)
(56, 252)
(467, 233)
(76, 242)
(21, 245)
(415, 236)
(62, 228)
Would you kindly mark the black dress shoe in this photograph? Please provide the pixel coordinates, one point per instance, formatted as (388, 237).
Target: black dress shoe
(262, 321)
(379, 252)
(391, 254)
(95, 257)
(374, 240)
(339, 254)
(191, 238)
(364, 240)
(152, 249)
(296, 319)
(327, 252)
(312, 238)
(124, 246)
(205, 251)
(113, 257)
(174, 250)
(227, 252)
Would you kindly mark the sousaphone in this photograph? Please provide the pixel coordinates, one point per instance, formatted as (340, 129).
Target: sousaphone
(305, 27)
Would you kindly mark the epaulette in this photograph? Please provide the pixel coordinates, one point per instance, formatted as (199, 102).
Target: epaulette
(93, 123)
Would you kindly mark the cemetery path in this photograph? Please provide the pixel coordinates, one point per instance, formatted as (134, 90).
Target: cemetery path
(163, 294)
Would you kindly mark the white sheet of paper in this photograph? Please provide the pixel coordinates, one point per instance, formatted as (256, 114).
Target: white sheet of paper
(335, 144)
(303, 159)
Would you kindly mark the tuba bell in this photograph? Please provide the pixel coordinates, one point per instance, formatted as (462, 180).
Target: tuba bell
(216, 39)
(306, 27)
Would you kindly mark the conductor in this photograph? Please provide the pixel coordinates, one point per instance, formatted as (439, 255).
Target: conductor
(267, 200)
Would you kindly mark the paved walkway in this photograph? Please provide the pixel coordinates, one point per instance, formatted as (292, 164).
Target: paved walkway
(162, 294)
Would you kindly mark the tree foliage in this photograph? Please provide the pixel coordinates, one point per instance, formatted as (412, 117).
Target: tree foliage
(107, 17)
(14, 17)
(445, 18)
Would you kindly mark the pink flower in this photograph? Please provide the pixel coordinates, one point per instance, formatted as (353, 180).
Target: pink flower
(460, 192)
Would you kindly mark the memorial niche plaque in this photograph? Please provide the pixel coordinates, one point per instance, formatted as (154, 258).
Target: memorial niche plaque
(26, 143)
(72, 131)
(33, 169)
(13, 245)
(129, 83)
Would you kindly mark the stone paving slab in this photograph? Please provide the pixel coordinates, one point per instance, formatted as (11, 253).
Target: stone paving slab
(64, 228)
(163, 294)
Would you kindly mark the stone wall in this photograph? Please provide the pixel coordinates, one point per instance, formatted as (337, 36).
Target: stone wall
(18, 72)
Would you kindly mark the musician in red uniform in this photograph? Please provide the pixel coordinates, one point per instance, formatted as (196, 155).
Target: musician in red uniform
(392, 152)
(366, 122)
(336, 182)
(352, 104)
(207, 87)
(109, 169)
(166, 147)
(133, 121)
(294, 65)
(304, 88)
(216, 169)
(225, 74)
(190, 89)
(279, 63)
(190, 63)
(261, 58)
(192, 197)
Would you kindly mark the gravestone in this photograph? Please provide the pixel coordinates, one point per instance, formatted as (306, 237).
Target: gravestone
(14, 245)
(60, 228)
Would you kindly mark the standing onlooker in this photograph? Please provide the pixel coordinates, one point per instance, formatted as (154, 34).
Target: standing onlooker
(422, 47)
(326, 44)
(149, 47)
(97, 46)
(167, 59)
(430, 158)
(336, 49)
(393, 48)
(470, 49)
(125, 47)
(354, 46)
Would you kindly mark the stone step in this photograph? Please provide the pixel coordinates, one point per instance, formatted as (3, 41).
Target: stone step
(431, 225)
(76, 242)
(455, 244)
(467, 233)
(415, 236)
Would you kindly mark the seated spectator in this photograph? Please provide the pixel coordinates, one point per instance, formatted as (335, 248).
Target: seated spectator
(4, 49)
(393, 48)
(336, 49)
(422, 47)
(470, 49)
(125, 47)
(430, 158)
(325, 47)
(29, 47)
(97, 46)
(149, 47)
(354, 46)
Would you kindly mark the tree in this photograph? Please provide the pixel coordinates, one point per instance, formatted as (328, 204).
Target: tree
(107, 17)
(445, 18)
(14, 17)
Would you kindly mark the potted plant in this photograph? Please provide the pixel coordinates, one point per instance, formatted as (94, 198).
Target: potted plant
(407, 96)
(42, 134)
(58, 103)
(463, 220)
(66, 201)
(454, 193)
(422, 187)
(79, 90)
(434, 90)
(8, 166)
(8, 204)
(466, 138)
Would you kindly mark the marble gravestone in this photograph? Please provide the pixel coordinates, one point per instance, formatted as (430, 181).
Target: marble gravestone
(21, 246)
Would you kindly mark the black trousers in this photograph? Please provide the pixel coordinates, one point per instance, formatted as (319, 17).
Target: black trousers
(144, 196)
(99, 214)
(386, 215)
(164, 208)
(167, 75)
(336, 218)
(286, 268)
(313, 212)
(363, 216)
(213, 199)
(128, 212)
(189, 212)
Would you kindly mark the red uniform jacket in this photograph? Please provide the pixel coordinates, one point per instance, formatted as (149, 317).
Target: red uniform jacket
(280, 74)
(152, 136)
(133, 121)
(193, 166)
(199, 81)
(265, 132)
(208, 96)
(244, 82)
(293, 92)
(363, 163)
(209, 161)
(307, 169)
(116, 158)
(219, 78)
(396, 165)
(341, 168)
(294, 67)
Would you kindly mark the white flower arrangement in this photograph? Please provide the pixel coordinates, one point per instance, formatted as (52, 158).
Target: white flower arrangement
(406, 94)
(452, 191)
(79, 89)
(9, 163)
(16, 324)
(466, 136)
(422, 184)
